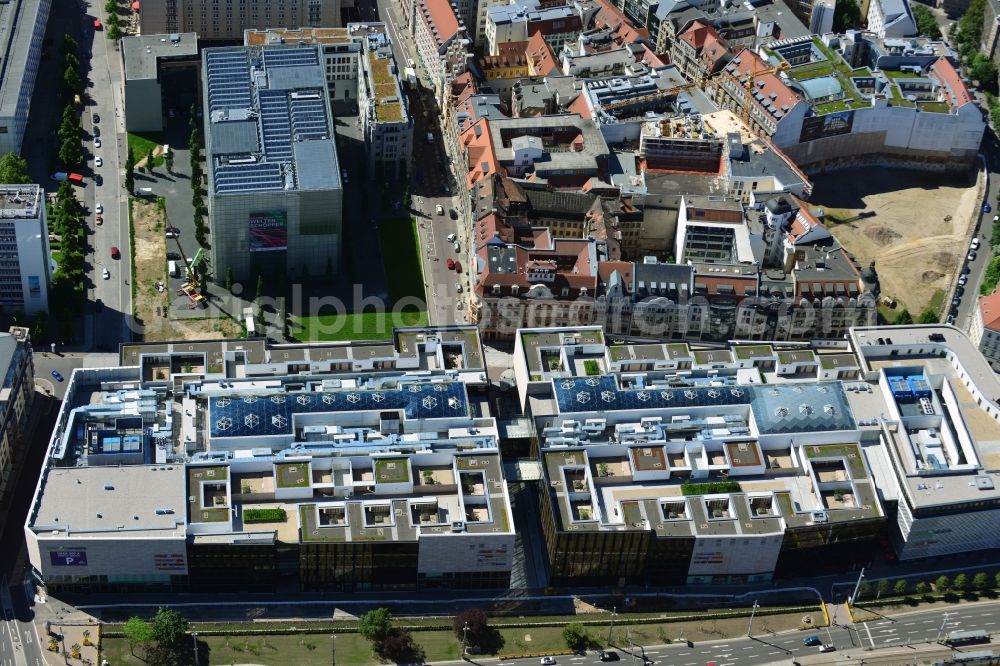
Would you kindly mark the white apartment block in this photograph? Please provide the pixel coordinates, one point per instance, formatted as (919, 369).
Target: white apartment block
(891, 18)
(25, 272)
(22, 30)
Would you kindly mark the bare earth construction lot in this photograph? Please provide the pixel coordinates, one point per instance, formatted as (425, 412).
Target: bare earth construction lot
(916, 251)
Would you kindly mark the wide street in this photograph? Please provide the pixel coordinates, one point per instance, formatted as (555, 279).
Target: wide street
(850, 640)
(110, 323)
(431, 183)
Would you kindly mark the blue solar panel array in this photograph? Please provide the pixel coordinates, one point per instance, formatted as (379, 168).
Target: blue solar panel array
(602, 393)
(268, 415)
(228, 74)
(777, 408)
(289, 107)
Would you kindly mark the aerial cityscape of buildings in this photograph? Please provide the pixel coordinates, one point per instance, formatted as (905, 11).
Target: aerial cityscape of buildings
(497, 299)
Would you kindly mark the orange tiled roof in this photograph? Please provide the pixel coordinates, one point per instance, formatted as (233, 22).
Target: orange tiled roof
(951, 82)
(541, 57)
(766, 84)
(989, 306)
(441, 15)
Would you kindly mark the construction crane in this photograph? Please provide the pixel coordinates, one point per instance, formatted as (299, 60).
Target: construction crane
(748, 88)
(190, 287)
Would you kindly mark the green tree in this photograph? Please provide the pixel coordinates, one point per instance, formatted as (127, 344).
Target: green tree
(260, 286)
(149, 161)
(169, 627)
(114, 31)
(960, 583)
(921, 588)
(903, 318)
(926, 23)
(980, 581)
(882, 586)
(229, 279)
(983, 70)
(111, 7)
(928, 316)
(71, 154)
(576, 637)
(71, 81)
(846, 16)
(39, 331)
(901, 587)
(69, 45)
(942, 584)
(996, 579)
(168, 160)
(130, 170)
(137, 632)
(13, 169)
(376, 624)
(864, 589)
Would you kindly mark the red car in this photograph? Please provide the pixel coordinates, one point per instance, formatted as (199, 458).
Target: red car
(115, 254)
(97, 24)
(451, 263)
(458, 267)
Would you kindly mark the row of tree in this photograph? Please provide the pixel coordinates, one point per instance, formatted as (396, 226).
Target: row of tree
(197, 193)
(966, 35)
(66, 220)
(114, 28)
(980, 582)
(70, 132)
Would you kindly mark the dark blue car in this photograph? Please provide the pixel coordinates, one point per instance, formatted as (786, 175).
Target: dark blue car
(811, 641)
(987, 208)
(57, 376)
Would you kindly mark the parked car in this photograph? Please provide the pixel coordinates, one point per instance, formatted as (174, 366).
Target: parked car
(987, 208)
(975, 244)
(439, 209)
(962, 279)
(115, 253)
(971, 256)
(99, 219)
(97, 142)
(451, 238)
(173, 232)
(99, 209)
(343, 175)
(458, 287)
(950, 319)
(827, 648)
(458, 248)
(98, 161)
(955, 302)
(451, 263)
(453, 213)
(57, 376)
(458, 266)
(810, 641)
(173, 256)
(106, 274)
(97, 118)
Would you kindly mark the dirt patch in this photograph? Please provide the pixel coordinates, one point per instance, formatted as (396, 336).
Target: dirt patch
(919, 233)
(882, 235)
(152, 305)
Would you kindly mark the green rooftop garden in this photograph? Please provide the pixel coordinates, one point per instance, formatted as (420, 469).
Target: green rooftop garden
(750, 351)
(264, 515)
(832, 107)
(293, 475)
(619, 353)
(934, 107)
(392, 470)
(716, 488)
(830, 361)
(811, 71)
(800, 356)
(678, 348)
(850, 452)
(310, 531)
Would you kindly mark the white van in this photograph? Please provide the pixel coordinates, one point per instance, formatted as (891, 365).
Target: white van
(172, 267)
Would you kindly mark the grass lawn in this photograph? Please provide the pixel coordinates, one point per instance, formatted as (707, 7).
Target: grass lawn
(141, 146)
(937, 300)
(354, 326)
(401, 257)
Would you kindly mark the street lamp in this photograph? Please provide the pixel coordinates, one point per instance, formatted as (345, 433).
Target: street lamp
(854, 597)
(465, 644)
(611, 625)
(333, 649)
(753, 611)
(194, 637)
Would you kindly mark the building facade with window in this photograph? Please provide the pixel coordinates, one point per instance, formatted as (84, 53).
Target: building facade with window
(227, 19)
(22, 32)
(25, 270)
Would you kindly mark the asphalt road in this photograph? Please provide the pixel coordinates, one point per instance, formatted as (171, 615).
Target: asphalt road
(431, 183)
(851, 641)
(110, 323)
(977, 268)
